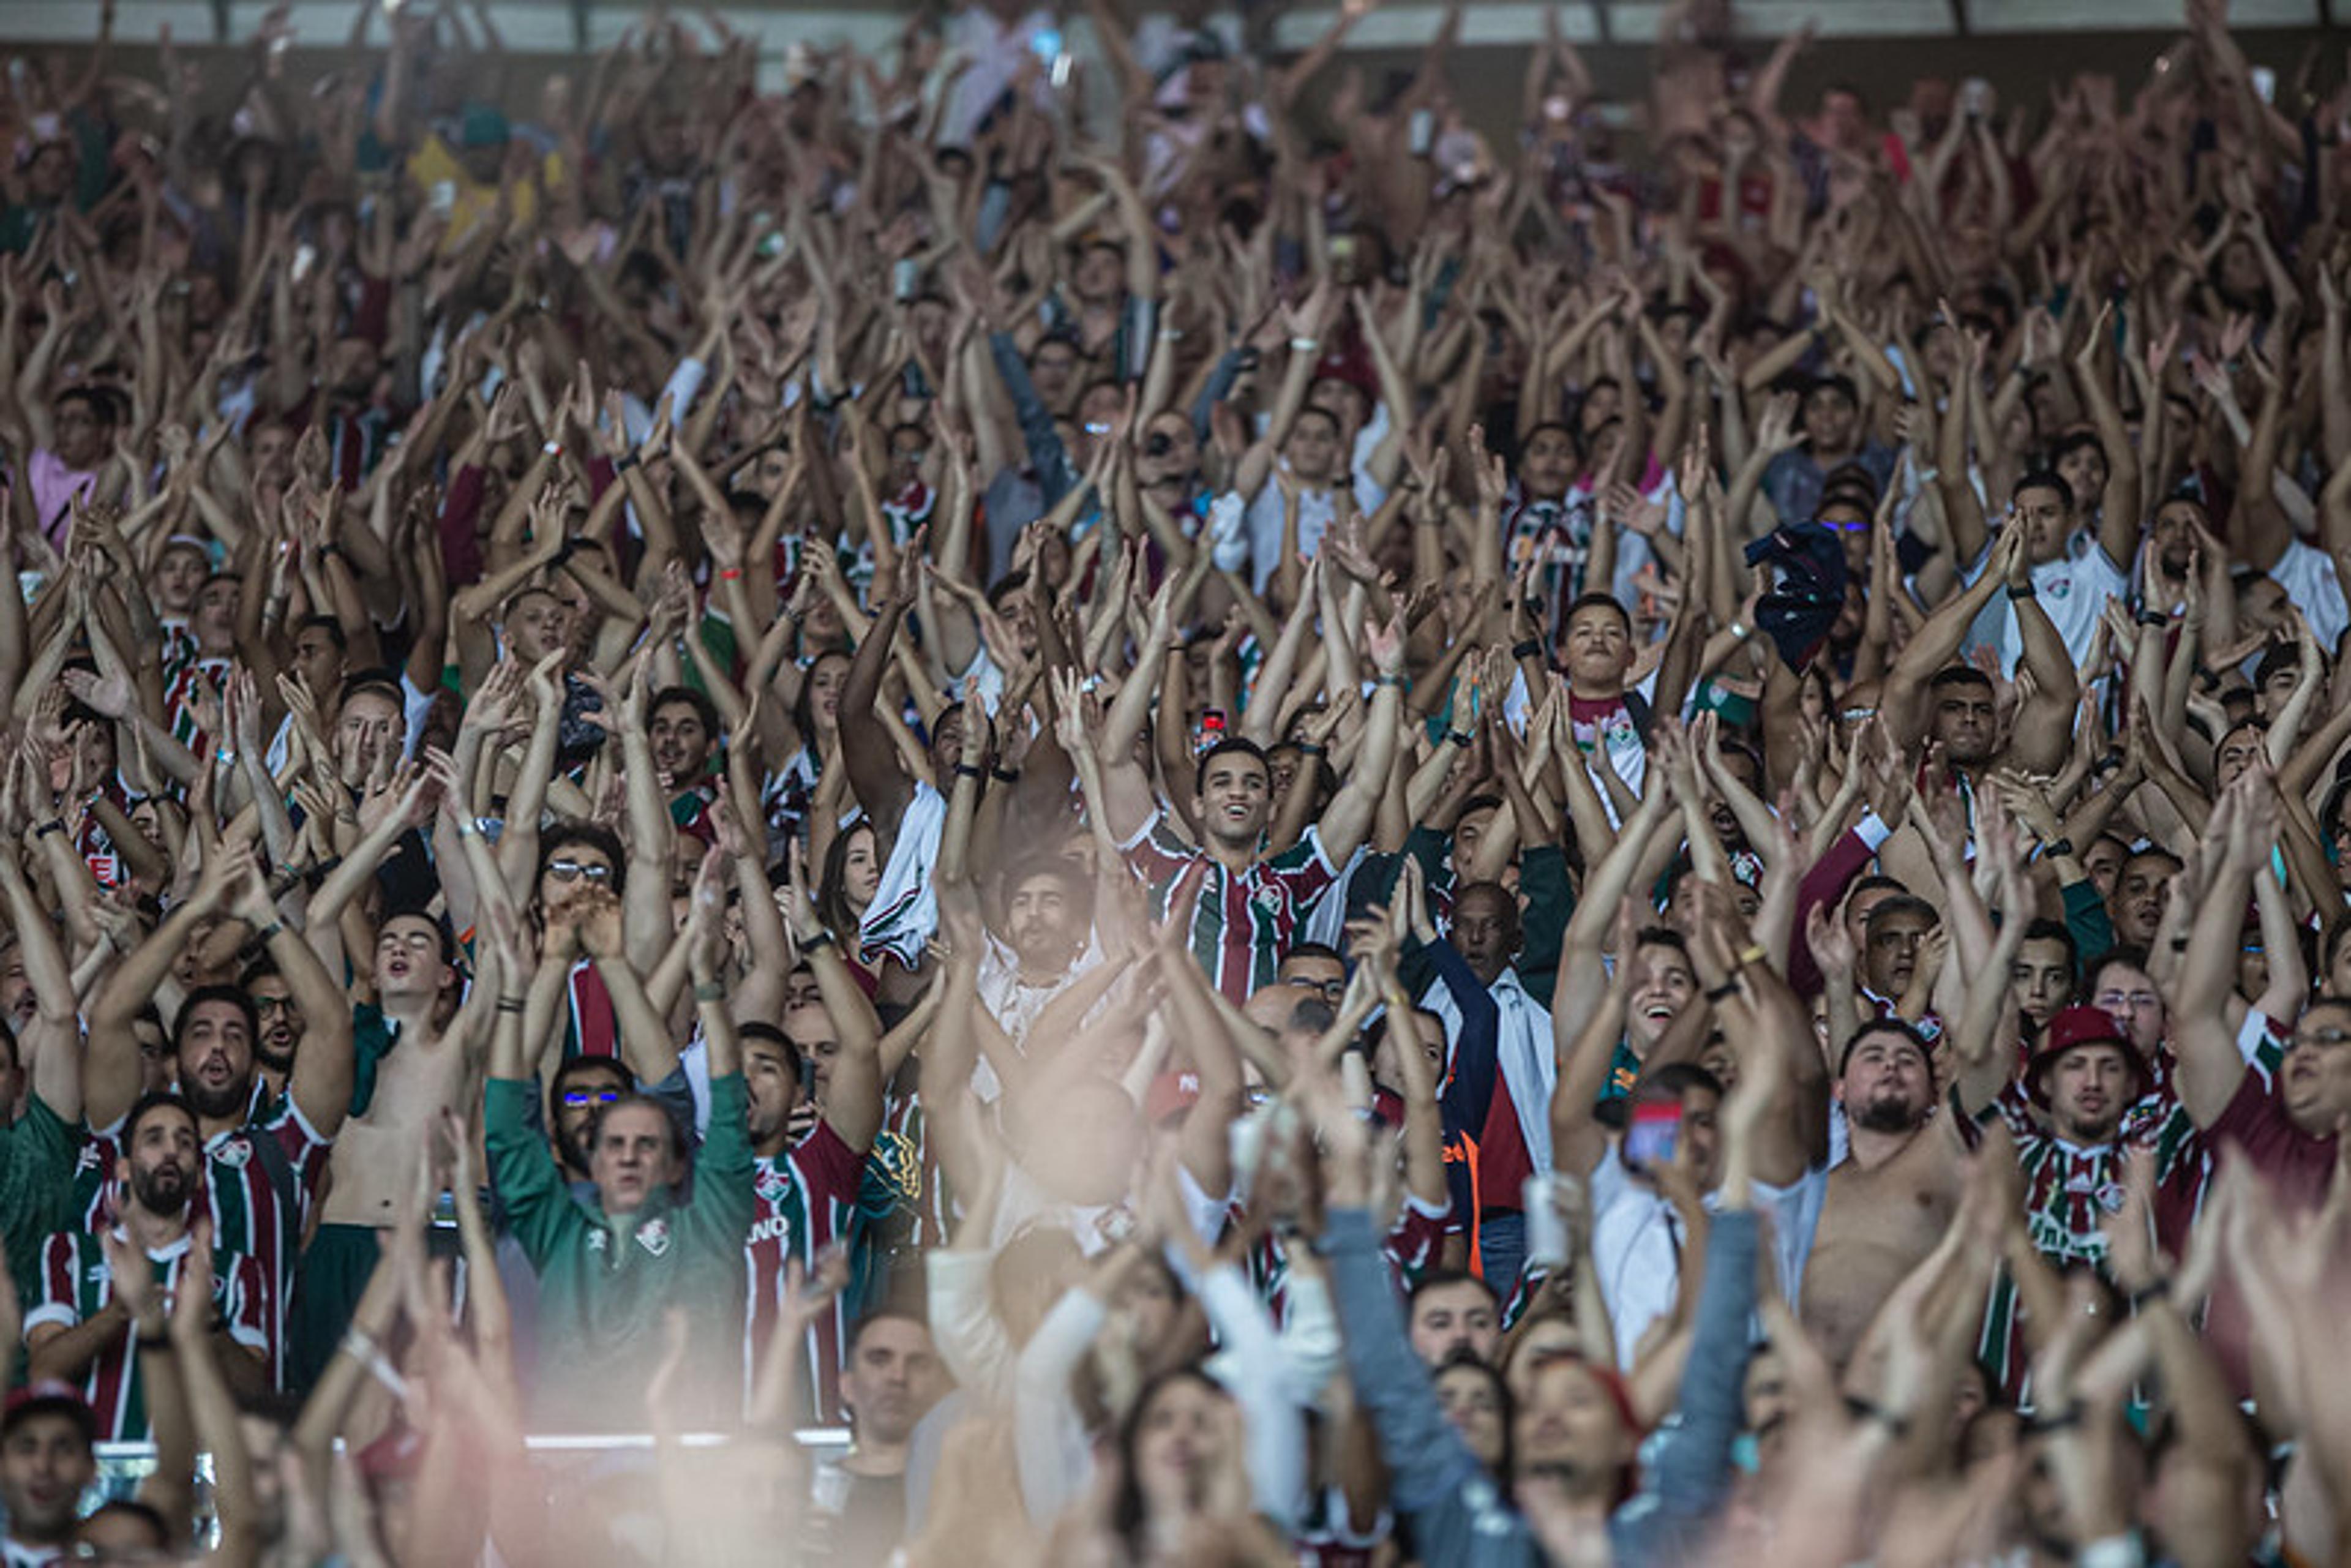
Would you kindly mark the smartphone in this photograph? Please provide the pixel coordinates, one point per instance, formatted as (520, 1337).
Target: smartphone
(1423, 131)
(903, 275)
(1652, 1135)
(1212, 728)
(1975, 95)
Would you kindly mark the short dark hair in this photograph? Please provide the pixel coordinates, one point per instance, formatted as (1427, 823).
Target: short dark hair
(440, 924)
(156, 1100)
(580, 1067)
(1597, 601)
(1952, 675)
(704, 708)
(236, 996)
(2058, 931)
(1233, 745)
(880, 1314)
(1834, 381)
(1673, 1079)
(1891, 1023)
(596, 836)
(1441, 1279)
(2046, 479)
(1313, 950)
(384, 683)
(1900, 904)
(331, 625)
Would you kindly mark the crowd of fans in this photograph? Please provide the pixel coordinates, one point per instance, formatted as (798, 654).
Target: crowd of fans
(1267, 830)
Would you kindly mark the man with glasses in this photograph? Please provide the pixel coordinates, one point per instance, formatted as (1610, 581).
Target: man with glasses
(280, 1014)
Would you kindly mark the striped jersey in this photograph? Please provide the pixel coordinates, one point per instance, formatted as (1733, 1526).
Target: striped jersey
(591, 1026)
(259, 1182)
(77, 1282)
(180, 696)
(1240, 923)
(2070, 1191)
(1411, 1247)
(806, 1200)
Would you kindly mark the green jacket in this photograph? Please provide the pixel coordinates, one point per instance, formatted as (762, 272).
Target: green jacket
(605, 1285)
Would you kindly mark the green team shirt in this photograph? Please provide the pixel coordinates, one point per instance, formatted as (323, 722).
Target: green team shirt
(37, 1188)
(606, 1284)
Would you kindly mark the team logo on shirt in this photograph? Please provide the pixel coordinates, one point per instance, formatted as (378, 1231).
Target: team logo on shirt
(233, 1154)
(1269, 899)
(595, 1241)
(771, 1184)
(654, 1236)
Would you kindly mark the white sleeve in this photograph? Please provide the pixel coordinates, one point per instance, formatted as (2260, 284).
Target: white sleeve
(972, 1343)
(1049, 1439)
(1276, 1427)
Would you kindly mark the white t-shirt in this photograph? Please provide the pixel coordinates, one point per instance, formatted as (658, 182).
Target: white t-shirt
(1316, 509)
(2073, 591)
(2308, 577)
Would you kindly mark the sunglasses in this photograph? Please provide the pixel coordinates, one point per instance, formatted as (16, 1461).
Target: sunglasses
(572, 870)
(580, 1099)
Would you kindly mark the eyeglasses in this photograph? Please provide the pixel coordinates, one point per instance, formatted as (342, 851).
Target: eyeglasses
(580, 1099)
(2128, 1001)
(572, 870)
(263, 1006)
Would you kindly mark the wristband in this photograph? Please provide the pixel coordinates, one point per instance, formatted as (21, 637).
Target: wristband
(552, 449)
(2153, 618)
(2022, 590)
(466, 829)
(154, 1341)
(1752, 954)
(624, 462)
(1306, 345)
(54, 825)
(1716, 993)
(1741, 631)
(820, 938)
(512, 1004)
(1395, 681)
(2057, 849)
(709, 991)
(1530, 649)
(1458, 737)
(329, 548)
(2157, 1289)
(263, 937)
(1005, 775)
(730, 574)
(966, 770)
(2055, 1420)
(1307, 749)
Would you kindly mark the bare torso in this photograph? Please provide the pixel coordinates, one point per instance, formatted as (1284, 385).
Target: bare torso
(1883, 1212)
(376, 1155)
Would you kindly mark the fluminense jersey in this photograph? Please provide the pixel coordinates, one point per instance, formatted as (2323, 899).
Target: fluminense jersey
(2071, 1191)
(807, 1199)
(259, 1182)
(1411, 1247)
(77, 1282)
(1240, 923)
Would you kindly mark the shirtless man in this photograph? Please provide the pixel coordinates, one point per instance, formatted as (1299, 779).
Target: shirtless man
(407, 1073)
(1891, 1197)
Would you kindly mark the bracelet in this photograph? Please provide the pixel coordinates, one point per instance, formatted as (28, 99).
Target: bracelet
(729, 574)
(1005, 775)
(966, 770)
(552, 449)
(2157, 1289)
(1717, 993)
(227, 757)
(512, 1004)
(2179, 944)
(466, 829)
(1307, 749)
(1530, 649)
(1459, 738)
(155, 1342)
(362, 1349)
(2153, 618)
(54, 825)
(1306, 345)
(709, 991)
(1753, 953)
(1741, 630)
(1898, 1426)
(2054, 1420)
(329, 548)
(1171, 334)
(2057, 849)
(1395, 681)
(821, 938)
(316, 875)
(2022, 590)
(263, 937)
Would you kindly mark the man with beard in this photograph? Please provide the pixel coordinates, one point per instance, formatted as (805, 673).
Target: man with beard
(264, 1161)
(806, 1188)
(1891, 1197)
(1047, 943)
(80, 1332)
(279, 1013)
(2136, 906)
(892, 1378)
